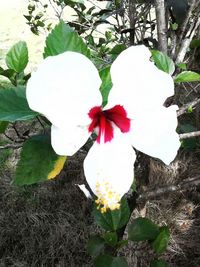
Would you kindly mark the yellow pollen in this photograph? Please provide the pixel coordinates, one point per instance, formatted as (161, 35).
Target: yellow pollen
(108, 198)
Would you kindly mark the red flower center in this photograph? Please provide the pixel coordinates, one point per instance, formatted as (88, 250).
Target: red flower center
(103, 121)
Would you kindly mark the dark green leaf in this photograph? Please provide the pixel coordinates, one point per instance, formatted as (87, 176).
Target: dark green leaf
(112, 220)
(158, 263)
(163, 62)
(8, 73)
(95, 245)
(117, 49)
(38, 161)
(187, 76)
(119, 262)
(142, 229)
(111, 238)
(3, 126)
(62, 39)
(109, 261)
(103, 261)
(14, 106)
(106, 84)
(195, 43)
(17, 57)
(122, 243)
(161, 242)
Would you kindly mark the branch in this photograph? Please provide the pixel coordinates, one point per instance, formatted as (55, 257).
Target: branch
(161, 25)
(186, 42)
(189, 135)
(7, 146)
(184, 108)
(132, 14)
(185, 22)
(184, 185)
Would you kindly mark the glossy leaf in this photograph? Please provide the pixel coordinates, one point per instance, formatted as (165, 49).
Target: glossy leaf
(17, 57)
(14, 106)
(111, 238)
(117, 49)
(161, 242)
(38, 161)
(187, 76)
(163, 62)
(112, 220)
(95, 245)
(63, 38)
(142, 229)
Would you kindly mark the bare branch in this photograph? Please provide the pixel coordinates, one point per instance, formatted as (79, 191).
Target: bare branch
(161, 25)
(185, 23)
(132, 14)
(189, 135)
(186, 42)
(13, 146)
(184, 185)
(184, 108)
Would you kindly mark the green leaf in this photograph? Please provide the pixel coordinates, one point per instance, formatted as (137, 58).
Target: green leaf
(106, 84)
(119, 262)
(95, 245)
(103, 261)
(195, 43)
(117, 49)
(109, 261)
(182, 66)
(187, 76)
(142, 229)
(161, 242)
(38, 161)
(3, 126)
(158, 263)
(112, 220)
(111, 238)
(163, 62)
(10, 74)
(14, 106)
(62, 39)
(17, 57)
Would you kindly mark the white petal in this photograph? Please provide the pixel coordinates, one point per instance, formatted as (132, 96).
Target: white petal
(84, 190)
(137, 83)
(154, 133)
(108, 167)
(64, 88)
(67, 141)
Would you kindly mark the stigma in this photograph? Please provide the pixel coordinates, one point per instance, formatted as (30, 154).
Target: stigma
(107, 198)
(104, 121)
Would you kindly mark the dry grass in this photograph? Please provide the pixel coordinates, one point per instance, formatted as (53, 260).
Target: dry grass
(45, 225)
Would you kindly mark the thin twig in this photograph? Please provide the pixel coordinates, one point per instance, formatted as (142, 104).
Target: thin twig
(189, 135)
(184, 185)
(186, 42)
(185, 22)
(184, 108)
(13, 146)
